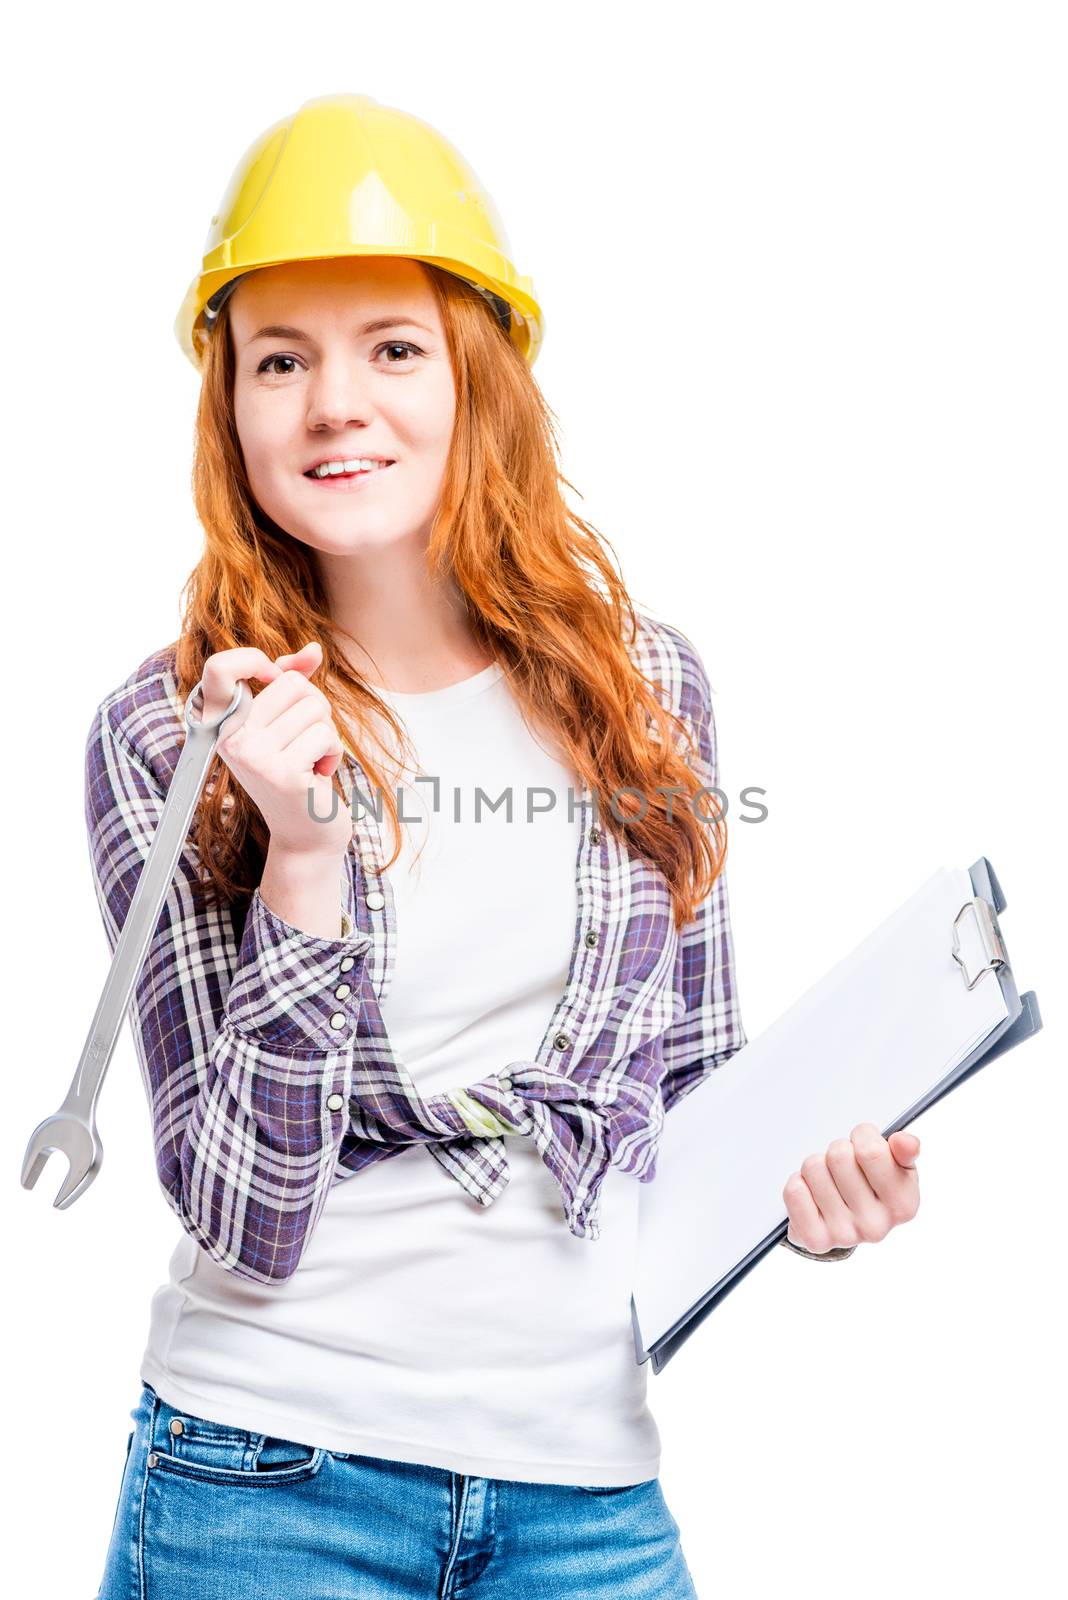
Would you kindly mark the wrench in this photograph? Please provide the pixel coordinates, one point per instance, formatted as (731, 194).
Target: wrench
(72, 1129)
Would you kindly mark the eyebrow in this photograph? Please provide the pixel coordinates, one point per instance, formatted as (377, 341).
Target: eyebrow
(279, 330)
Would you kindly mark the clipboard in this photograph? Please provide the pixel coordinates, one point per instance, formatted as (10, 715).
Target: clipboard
(974, 941)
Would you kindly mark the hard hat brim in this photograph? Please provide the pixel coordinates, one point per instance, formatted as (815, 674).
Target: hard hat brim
(527, 316)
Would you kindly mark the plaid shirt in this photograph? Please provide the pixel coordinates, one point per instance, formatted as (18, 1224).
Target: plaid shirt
(268, 1070)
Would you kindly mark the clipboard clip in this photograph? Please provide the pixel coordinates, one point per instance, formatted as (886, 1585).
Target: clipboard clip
(986, 927)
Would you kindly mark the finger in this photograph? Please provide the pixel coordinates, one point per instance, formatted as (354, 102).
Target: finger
(316, 742)
(807, 1228)
(904, 1147)
(307, 659)
(288, 725)
(288, 689)
(887, 1179)
(869, 1214)
(225, 669)
(828, 1197)
(897, 1186)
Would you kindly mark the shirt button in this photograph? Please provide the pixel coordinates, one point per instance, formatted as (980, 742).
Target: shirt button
(342, 991)
(348, 963)
(505, 1083)
(561, 1041)
(375, 901)
(591, 939)
(338, 1020)
(177, 1425)
(335, 1102)
(595, 835)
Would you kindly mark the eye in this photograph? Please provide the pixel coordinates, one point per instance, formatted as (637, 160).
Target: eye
(269, 362)
(267, 366)
(399, 344)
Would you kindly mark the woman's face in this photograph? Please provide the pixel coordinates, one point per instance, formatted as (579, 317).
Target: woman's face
(326, 384)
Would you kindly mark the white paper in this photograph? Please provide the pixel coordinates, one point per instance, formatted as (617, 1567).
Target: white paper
(864, 1044)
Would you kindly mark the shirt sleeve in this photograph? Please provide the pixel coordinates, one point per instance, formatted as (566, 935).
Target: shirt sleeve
(840, 1252)
(245, 1051)
(709, 1030)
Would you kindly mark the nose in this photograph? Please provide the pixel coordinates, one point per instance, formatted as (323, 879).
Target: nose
(336, 400)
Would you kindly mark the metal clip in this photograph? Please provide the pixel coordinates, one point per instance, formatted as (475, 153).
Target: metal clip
(987, 929)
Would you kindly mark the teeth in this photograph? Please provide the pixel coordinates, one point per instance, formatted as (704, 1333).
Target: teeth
(333, 469)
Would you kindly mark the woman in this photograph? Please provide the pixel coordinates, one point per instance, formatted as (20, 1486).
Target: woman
(480, 927)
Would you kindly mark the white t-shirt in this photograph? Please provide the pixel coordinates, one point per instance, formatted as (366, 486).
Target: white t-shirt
(419, 1325)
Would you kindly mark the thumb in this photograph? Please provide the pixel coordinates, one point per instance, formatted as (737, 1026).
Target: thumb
(307, 659)
(904, 1147)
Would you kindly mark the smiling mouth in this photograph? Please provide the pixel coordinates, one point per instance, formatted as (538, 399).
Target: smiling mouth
(333, 477)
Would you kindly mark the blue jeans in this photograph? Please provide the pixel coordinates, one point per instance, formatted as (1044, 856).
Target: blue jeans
(209, 1512)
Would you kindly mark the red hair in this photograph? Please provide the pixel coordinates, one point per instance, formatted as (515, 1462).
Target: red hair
(543, 598)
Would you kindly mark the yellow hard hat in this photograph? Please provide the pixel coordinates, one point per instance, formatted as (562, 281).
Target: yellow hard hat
(345, 176)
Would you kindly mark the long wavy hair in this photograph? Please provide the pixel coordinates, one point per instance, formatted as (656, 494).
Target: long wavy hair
(542, 595)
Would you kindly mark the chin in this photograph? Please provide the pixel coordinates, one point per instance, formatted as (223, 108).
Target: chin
(346, 536)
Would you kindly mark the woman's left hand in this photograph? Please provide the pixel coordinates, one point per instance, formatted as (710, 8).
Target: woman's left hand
(855, 1193)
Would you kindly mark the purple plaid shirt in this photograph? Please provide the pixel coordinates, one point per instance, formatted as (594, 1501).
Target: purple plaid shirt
(267, 1067)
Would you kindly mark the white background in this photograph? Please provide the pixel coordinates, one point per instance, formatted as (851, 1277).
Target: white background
(803, 268)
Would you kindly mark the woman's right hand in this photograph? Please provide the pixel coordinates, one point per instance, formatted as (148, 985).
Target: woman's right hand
(286, 746)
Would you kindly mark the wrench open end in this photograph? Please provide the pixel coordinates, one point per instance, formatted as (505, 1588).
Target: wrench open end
(71, 1138)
